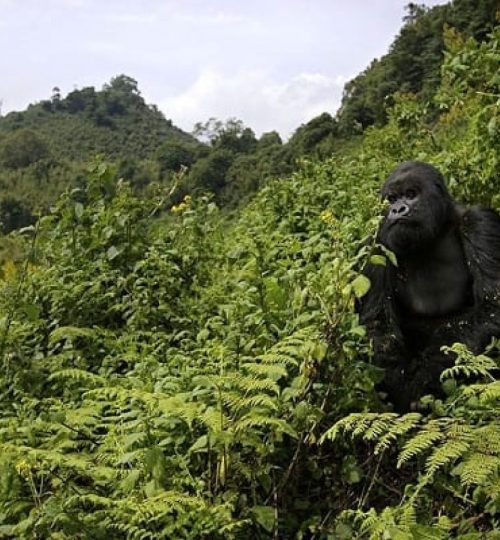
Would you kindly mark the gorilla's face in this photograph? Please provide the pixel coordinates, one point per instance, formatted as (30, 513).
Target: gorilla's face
(419, 208)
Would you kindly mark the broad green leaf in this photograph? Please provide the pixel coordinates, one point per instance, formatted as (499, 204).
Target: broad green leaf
(379, 260)
(264, 516)
(112, 253)
(390, 255)
(361, 285)
(78, 210)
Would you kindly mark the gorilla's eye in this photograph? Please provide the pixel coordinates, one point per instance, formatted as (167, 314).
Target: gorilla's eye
(410, 193)
(392, 198)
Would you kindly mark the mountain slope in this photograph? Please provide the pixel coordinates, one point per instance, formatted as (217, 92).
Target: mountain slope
(115, 121)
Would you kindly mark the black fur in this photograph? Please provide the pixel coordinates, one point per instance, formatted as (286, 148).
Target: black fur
(445, 288)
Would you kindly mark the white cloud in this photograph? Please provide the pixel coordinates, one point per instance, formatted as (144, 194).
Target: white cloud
(218, 17)
(263, 103)
(131, 18)
(102, 47)
(72, 3)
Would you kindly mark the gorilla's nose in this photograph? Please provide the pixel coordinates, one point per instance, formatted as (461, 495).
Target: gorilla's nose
(398, 210)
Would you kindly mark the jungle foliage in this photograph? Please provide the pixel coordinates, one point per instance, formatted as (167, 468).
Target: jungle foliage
(414, 60)
(170, 372)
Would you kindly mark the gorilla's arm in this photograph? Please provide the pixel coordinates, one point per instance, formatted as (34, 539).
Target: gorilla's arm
(477, 322)
(377, 312)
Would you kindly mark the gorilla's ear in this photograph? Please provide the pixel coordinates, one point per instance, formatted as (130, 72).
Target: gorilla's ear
(443, 190)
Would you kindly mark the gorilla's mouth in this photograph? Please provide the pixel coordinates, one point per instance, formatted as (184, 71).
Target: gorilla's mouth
(405, 220)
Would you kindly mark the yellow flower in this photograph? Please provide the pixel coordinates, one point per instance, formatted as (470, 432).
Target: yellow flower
(327, 217)
(23, 468)
(177, 209)
(9, 270)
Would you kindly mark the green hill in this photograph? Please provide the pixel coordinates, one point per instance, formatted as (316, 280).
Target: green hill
(114, 121)
(48, 147)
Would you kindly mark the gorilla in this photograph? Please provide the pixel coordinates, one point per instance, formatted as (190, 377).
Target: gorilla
(444, 289)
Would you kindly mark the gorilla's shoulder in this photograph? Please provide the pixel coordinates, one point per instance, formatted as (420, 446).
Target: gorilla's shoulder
(480, 228)
(480, 223)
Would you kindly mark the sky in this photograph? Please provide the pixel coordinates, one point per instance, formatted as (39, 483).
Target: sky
(274, 64)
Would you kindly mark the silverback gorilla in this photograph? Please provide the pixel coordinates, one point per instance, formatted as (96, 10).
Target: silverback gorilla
(445, 288)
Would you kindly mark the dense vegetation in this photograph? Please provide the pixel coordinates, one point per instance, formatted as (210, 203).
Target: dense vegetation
(414, 60)
(184, 374)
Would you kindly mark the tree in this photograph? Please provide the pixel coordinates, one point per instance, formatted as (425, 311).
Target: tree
(174, 154)
(308, 137)
(81, 100)
(123, 84)
(414, 60)
(269, 139)
(230, 135)
(22, 148)
(210, 172)
(14, 214)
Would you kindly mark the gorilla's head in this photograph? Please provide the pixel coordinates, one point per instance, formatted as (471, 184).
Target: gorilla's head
(419, 208)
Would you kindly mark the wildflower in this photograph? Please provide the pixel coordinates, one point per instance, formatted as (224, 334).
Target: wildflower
(23, 468)
(327, 217)
(181, 207)
(9, 270)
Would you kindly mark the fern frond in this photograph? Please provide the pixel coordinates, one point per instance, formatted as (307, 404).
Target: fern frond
(249, 384)
(279, 358)
(78, 375)
(255, 419)
(258, 400)
(479, 468)
(490, 394)
(400, 427)
(447, 453)
(214, 419)
(358, 423)
(409, 518)
(271, 371)
(89, 500)
(467, 364)
(487, 438)
(420, 443)
(189, 411)
(70, 333)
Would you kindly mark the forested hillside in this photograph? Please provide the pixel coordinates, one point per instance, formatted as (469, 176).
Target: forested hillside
(414, 60)
(114, 121)
(172, 371)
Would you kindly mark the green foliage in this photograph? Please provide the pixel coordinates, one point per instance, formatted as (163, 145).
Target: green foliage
(172, 371)
(317, 137)
(46, 148)
(457, 448)
(114, 121)
(164, 360)
(413, 62)
(21, 149)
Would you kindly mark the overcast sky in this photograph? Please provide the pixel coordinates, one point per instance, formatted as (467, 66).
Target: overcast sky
(274, 64)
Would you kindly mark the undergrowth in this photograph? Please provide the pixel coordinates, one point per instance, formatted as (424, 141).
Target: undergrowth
(172, 373)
